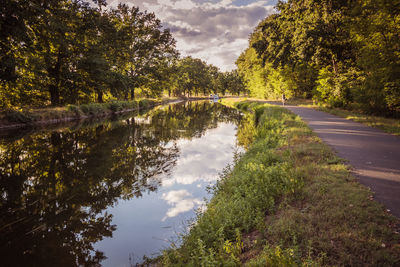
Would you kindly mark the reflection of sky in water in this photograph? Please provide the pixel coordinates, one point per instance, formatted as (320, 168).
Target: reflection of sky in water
(146, 225)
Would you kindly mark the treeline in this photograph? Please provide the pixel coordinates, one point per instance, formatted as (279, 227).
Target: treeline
(73, 52)
(192, 76)
(344, 53)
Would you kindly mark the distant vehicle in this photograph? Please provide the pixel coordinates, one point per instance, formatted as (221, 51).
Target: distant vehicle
(214, 96)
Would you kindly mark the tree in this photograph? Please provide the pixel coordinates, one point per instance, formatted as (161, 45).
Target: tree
(71, 51)
(145, 47)
(194, 76)
(337, 52)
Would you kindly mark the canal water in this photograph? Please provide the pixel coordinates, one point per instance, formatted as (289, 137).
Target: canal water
(110, 192)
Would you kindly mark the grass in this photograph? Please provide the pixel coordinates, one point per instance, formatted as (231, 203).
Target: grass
(287, 201)
(23, 116)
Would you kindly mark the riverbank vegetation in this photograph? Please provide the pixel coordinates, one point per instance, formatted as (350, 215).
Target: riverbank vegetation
(342, 53)
(79, 52)
(16, 117)
(288, 201)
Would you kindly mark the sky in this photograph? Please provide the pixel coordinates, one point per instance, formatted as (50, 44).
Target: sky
(215, 31)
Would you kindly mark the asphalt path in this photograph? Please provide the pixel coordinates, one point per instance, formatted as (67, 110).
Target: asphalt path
(373, 154)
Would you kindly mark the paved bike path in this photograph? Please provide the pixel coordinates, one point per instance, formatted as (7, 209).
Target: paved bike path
(373, 154)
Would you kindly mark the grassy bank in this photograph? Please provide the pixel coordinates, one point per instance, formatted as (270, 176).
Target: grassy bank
(70, 112)
(288, 201)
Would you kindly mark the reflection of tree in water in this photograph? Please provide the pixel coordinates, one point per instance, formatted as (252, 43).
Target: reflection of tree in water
(191, 119)
(55, 187)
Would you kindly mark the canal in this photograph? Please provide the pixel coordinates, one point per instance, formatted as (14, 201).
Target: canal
(110, 192)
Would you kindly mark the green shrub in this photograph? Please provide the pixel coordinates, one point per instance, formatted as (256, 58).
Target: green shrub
(93, 109)
(146, 103)
(75, 109)
(115, 106)
(242, 105)
(19, 116)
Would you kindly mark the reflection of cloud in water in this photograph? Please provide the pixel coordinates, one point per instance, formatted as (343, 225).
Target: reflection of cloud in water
(181, 200)
(141, 120)
(202, 158)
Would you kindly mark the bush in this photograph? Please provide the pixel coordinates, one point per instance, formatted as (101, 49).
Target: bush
(146, 103)
(93, 109)
(75, 109)
(19, 116)
(115, 106)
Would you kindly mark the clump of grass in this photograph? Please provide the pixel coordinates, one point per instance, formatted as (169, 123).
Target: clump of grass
(297, 196)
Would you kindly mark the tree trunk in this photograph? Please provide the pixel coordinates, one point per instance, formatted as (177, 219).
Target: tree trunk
(100, 96)
(133, 94)
(54, 95)
(334, 65)
(55, 72)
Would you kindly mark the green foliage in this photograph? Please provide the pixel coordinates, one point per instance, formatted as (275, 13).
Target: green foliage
(92, 109)
(335, 89)
(193, 76)
(337, 52)
(75, 109)
(117, 106)
(145, 103)
(68, 52)
(254, 75)
(18, 116)
(71, 52)
(276, 257)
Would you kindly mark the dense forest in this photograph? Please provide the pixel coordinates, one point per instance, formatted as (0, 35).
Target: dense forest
(74, 52)
(345, 53)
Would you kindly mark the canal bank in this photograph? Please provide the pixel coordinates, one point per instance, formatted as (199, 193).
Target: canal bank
(13, 119)
(288, 201)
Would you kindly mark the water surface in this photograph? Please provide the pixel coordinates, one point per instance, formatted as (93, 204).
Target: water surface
(110, 192)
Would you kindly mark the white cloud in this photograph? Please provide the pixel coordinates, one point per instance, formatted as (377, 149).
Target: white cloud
(181, 201)
(204, 157)
(184, 4)
(215, 31)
